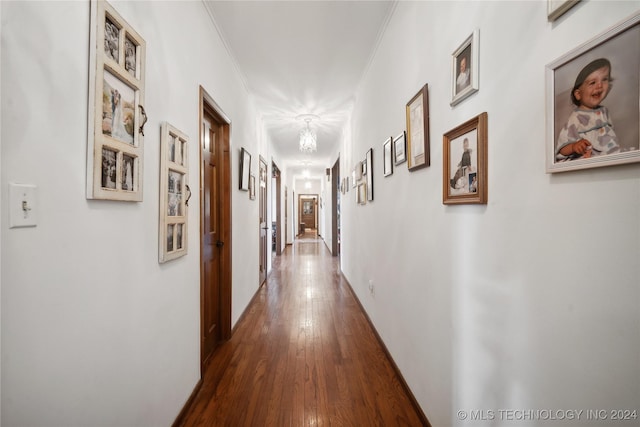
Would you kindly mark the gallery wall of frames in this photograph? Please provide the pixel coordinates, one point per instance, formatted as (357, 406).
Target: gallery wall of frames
(580, 136)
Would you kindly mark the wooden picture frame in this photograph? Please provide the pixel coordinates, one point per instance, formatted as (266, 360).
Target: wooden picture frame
(465, 78)
(387, 157)
(417, 113)
(582, 136)
(245, 169)
(369, 162)
(252, 187)
(557, 8)
(174, 193)
(400, 148)
(116, 116)
(465, 163)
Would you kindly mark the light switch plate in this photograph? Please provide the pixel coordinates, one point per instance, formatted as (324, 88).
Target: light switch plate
(22, 205)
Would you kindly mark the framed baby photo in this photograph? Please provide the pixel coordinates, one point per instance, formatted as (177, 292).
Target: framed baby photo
(464, 179)
(593, 113)
(116, 115)
(417, 113)
(464, 69)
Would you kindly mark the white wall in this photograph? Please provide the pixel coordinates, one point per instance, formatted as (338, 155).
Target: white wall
(94, 330)
(500, 306)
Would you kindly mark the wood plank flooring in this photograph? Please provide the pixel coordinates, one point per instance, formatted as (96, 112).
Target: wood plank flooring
(303, 354)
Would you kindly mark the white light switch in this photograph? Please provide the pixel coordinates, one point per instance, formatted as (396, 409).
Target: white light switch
(22, 205)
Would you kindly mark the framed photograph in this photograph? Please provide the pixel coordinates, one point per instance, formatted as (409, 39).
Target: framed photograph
(174, 193)
(464, 69)
(399, 148)
(252, 187)
(557, 8)
(116, 113)
(361, 194)
(417, 113)
(593, 117)
(387, 157)
(245, 169)
(369, 162)
(465, 163)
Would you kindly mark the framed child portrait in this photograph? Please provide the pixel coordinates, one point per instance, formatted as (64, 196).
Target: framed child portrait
(464, 69)
(116, 114)
(464, 178)
(593, 113)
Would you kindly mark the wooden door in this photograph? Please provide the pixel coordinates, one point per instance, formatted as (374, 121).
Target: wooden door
(264, 228)
(308, 213)
(215, 269)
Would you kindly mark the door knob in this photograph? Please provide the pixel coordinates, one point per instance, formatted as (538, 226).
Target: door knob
(219, 243)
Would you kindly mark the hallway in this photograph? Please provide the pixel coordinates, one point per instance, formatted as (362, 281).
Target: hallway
(303, 354)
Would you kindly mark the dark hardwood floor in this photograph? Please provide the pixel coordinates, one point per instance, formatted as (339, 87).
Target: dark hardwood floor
(303, 354)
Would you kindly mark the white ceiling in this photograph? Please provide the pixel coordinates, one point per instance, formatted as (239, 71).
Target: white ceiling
(302, 57)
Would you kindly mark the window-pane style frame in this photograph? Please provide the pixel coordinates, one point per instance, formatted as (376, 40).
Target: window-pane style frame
(116, 114)
(174, 193)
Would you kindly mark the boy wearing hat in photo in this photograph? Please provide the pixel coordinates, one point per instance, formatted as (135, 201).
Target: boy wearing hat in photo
(589, 130)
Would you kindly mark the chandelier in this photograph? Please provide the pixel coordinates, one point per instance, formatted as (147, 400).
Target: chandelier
(308, 138)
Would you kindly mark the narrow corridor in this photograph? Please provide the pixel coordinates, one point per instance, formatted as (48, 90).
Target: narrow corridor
(303, 354)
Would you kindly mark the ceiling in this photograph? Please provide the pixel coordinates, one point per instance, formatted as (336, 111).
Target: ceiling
(302, 57)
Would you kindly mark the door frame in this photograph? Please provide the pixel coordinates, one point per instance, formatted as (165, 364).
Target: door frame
(264, 226)
(316, 198)
(275, 170)
(335, 200)
(207, 102)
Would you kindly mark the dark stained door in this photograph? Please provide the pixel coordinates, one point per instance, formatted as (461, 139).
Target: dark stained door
(264, 228)
(308, 214)
(215, 283)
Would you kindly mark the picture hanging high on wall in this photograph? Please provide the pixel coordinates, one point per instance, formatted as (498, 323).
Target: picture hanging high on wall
(593, 113)
(464, 69)
(116, 112)
(417, 115)
(465, 163)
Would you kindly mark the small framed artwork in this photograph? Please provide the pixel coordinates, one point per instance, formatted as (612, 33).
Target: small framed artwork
(387, 157)
(116, 113)
(593, 115)
(252, 187)
(464, 69)
(417, 112)
(369, 162)
(361, 195)
(174, 193)
(465, 163)
(557, 8)
(399, 148)
(353, 177)
(245, 169)
(365, 167)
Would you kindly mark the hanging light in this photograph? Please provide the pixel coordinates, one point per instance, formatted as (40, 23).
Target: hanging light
(308, 138)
